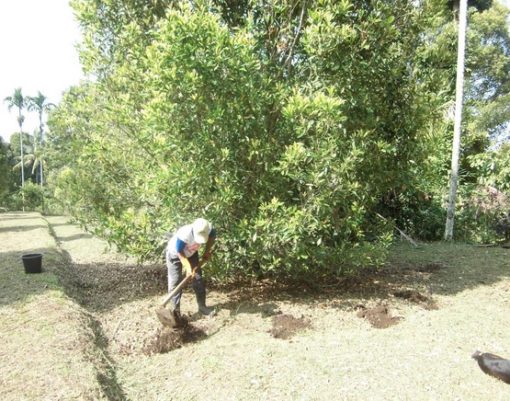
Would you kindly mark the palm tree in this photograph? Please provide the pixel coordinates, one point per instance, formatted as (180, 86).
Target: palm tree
(40, 105)
(17, 100)
(31, 157)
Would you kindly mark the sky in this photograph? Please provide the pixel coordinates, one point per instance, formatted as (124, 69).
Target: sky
(38, 53)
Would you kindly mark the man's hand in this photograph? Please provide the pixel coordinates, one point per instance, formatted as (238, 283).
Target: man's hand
(187, 267)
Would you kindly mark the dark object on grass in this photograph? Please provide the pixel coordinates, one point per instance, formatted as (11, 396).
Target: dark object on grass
(493, 365)
(32, 262)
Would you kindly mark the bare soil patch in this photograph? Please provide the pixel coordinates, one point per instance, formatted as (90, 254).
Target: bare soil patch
(285, 326)
(416, 297)
(379, 316)
(167, 339)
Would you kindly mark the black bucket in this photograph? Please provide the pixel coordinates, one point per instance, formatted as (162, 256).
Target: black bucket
(32, 262)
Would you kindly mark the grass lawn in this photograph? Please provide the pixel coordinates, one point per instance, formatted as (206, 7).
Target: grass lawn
(47, 350)
(405, 332)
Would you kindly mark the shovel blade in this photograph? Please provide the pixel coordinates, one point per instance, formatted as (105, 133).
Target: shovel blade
(166, 317)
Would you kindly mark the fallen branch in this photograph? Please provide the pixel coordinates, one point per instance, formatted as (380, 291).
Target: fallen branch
(403, 234)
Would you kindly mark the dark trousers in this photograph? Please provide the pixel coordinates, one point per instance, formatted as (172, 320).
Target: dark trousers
(175, 276)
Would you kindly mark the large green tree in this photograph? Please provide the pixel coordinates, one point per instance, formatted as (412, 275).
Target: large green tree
(291, 125)
(279, 140)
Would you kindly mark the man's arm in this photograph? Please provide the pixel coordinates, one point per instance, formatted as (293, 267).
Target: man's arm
(208, 246)
(180, 245)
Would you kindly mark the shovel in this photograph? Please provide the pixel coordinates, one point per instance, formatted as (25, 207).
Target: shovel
(165, 315)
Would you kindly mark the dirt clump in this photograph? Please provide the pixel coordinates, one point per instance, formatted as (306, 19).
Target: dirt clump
(167, 339)
(416, 298)
(285, 326)
(429, 268)
(379, 316)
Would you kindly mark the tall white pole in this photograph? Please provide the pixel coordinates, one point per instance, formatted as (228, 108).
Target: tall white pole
(450, 214)
(20, 123)
(41, 144)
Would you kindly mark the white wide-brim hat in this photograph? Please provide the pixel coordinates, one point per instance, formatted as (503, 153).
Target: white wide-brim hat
(201, 229)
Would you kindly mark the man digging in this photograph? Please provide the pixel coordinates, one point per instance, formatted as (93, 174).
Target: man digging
(182, 252)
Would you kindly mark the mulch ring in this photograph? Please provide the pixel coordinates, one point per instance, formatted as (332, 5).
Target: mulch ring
(285, 326)
(379, 316)
(167, 339)
(417, 298)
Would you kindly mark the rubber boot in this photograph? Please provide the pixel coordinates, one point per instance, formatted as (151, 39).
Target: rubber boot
(204, 310)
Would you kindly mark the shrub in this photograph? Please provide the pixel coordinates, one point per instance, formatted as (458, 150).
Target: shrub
(33, 196)
(479, 211)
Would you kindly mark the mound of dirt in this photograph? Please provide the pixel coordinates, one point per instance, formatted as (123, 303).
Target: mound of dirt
(429, 268)
(166, 339)
(417, 298)
(379, 316)
(285, 326)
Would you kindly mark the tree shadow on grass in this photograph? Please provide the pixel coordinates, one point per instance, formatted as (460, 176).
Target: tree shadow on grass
(75, 237)
(6, 216)
(59, 224)
(16, 285)
(432, 269)
(22, 228)
(100, 287)
(413, 274)
(460, 266)
(97, 287)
